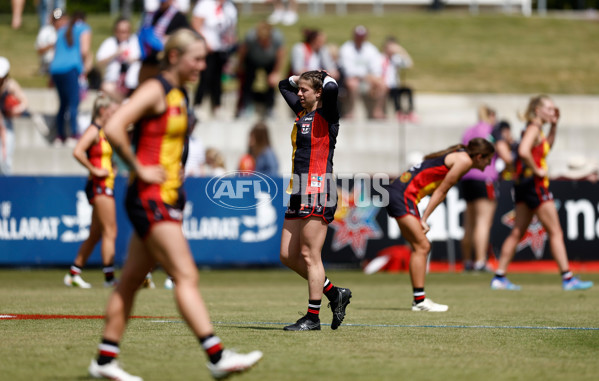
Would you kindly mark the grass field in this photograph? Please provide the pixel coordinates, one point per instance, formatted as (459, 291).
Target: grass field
(539, 333)
(452, 51)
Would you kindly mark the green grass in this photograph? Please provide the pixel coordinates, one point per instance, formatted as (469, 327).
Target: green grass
(250, 308)
(452, 51)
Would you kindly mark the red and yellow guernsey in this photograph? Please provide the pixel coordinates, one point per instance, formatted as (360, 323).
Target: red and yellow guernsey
(422, 179)
(100, 156)
(539, 153)
(160, 140)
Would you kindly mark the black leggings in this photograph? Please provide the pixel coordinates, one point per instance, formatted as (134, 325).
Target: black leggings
(396, 95)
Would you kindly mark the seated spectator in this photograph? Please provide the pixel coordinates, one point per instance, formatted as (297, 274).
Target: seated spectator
(312, 54)
(46, 39)
(579, 168)
(215, 162)
(119, 56)
(360, 63)
(264, 157)
(395, 58)
(260, 57)
(281, 14)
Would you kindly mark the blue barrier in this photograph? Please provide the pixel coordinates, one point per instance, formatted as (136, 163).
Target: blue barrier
(43, 221)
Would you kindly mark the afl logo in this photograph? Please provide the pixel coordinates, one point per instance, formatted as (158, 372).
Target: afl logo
(241, 193)
(405, 177)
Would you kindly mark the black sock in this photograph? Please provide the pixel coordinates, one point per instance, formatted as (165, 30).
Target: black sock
(108, 271)
(567, 275)
(75, 270)
(107, 351)
(313, 310)
(213, 347)
(329, 290)
(419, 295)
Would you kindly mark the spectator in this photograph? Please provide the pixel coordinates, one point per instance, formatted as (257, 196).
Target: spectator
(395, 58)
(580, 168)
(72, 59)
(196, 157)
(264, 157)
(281, 14)
(17, 13)
(261, 57)
(46, 40)
(215, 162)
(312, 54)
(160, 20)
(216, 21)
(360, 62)
(46, 7)
(13, 103)
(119, 55)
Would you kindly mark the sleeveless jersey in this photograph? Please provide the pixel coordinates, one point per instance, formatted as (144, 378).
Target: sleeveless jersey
(422, 179)
(100, 155)
(160, 140)
(539, 153)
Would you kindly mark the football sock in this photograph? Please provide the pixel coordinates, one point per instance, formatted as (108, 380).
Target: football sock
(313, 309)
(107, 351)
(499, 274)
(329, 290)
(419, 295)
(75, 270)
(567, 275)
(108, 272)
(213, 347)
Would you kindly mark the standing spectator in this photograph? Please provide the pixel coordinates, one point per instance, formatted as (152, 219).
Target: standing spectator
(360, 63)
(119, 55)
(437, 173)
(159, 21)
(533, 198)
(261, 57)
(13, 103)
(154, 204)
(312, 97)
(95, 153)
(46, 40)
(72, 59)
(264, 157)
(287, 15)
(312, 54)
(396, 58)
(216, 21)
(46, 7)
(17, 13)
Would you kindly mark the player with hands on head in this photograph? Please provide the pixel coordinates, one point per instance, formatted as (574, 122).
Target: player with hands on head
(434, 176)
(154, 203)
(532, 195)
(313, 98)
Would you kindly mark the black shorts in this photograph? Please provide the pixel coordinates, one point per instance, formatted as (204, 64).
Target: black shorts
(472, 190)
(317, 205)
(532, 192)
(145, 213)
(95, 188)
(400, 206)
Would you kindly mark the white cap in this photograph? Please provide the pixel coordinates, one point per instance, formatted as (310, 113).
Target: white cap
(4, 67)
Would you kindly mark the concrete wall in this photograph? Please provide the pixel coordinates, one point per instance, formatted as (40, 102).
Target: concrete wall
(363, 145)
